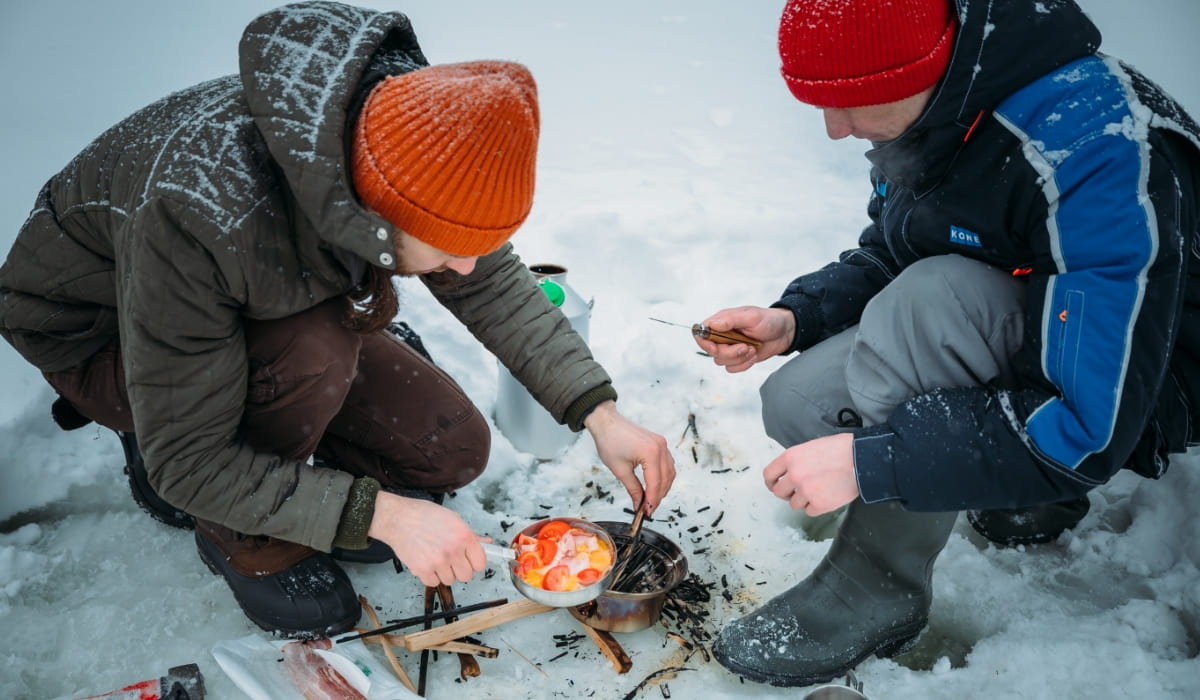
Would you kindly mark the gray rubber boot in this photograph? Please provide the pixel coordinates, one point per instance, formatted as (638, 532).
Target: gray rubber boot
(869, 595)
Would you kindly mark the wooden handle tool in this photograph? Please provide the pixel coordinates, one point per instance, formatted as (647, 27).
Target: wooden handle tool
(723, 337)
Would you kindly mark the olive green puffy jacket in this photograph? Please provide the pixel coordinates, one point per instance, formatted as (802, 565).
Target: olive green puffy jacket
(228, 201)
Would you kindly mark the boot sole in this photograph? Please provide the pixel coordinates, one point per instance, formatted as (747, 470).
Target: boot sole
(330, 631)
(177, 519)
(884, 650)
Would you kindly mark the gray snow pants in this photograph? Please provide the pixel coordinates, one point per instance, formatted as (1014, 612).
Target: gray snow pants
(944, 322)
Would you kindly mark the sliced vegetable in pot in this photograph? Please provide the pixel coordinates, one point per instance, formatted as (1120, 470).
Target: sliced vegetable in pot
(562, 557)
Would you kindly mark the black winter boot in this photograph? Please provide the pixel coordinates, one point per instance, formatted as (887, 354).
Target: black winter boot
(283, 587)
(1033, 525)
(143, 493)
(869, 595)
(404, 332)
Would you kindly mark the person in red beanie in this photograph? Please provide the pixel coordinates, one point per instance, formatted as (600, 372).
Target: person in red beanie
(1019, 321)
(212, 278)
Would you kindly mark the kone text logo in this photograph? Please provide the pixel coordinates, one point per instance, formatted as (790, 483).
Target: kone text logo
(962, 236)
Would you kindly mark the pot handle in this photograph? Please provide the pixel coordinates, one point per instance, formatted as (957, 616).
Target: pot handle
(496, 552)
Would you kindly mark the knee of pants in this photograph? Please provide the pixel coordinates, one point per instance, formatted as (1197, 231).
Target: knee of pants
(946, 321)
(791, 415)
(312, 369)
(945, 291)
(472, 445)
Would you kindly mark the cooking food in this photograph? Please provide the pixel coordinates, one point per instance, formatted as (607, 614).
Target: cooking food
(562, 557)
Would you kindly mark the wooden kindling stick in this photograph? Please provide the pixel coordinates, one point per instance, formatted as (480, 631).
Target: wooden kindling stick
(473, 623)
(455, 647)
(387, 648)
(420, 619)
(610, 647)
(468, 666)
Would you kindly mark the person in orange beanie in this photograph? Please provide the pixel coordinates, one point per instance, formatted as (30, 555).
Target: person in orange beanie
(212, 278)
(1016, 325)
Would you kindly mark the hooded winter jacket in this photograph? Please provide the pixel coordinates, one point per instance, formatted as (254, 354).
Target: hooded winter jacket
(229, 201)
(1037, 155)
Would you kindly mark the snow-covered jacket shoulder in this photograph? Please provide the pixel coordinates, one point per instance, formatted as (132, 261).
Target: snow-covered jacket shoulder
(219, 203)
(1080, 176)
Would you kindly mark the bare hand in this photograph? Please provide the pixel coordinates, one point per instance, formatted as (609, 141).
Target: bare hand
(432, 541)
(623, 445)
(815, 476)
(774, 327)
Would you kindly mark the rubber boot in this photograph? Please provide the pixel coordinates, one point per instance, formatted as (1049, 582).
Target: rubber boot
(1034, 525)
(283, 587)
(869, 595)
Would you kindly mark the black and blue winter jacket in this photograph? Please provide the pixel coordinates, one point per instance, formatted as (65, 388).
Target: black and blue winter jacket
(1041, 156)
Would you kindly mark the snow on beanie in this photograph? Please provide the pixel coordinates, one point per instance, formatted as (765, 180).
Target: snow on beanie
(854, 53)
(447, 153)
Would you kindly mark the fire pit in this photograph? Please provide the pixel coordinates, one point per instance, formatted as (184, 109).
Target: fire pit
(657, 566)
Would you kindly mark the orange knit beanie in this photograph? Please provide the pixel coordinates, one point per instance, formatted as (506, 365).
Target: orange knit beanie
(447, 153)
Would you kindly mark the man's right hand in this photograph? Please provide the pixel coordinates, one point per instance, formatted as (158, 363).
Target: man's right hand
(432, 541)
(774, 327)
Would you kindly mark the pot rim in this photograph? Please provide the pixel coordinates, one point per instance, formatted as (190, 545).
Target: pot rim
(564, 599)
(659, 541)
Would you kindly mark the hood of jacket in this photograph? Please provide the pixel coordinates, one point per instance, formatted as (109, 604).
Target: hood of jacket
(305, 69)
(1001, 46)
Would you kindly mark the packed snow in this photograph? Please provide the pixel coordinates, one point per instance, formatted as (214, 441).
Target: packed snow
(677, 177)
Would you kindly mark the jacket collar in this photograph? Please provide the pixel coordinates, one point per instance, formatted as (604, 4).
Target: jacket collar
(1001, 46)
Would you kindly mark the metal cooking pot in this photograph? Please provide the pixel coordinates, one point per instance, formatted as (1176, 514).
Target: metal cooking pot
(555, 599)
(616, 611)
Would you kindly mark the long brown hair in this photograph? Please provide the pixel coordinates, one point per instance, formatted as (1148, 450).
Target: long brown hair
(373, 304)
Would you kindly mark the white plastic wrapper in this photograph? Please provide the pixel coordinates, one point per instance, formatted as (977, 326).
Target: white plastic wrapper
(255, 665)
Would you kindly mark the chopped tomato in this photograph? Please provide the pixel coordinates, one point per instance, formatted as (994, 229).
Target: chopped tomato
(553, 530)
(528, 561)
(546, 549)
(589, 576)
(556, 578)
(524, 540)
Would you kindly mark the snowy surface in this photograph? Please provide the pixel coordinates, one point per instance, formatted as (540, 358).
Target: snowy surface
(677, 177)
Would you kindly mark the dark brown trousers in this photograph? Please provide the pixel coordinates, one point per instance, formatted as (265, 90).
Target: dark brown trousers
(366, 404)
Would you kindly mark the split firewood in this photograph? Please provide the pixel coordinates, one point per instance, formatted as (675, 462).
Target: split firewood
(454, 647)
(471, 624)
(610, 647)
(387, 648)
(465, 648)
(468, 666)
(422, 619)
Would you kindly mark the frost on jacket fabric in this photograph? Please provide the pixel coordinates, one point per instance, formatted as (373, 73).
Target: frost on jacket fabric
(228, 201)
(1038, 155)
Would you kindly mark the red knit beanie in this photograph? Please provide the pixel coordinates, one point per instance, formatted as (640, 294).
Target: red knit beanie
(854, 53)
(447, 153)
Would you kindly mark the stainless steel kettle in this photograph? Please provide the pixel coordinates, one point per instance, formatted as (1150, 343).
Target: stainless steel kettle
(522, 419)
